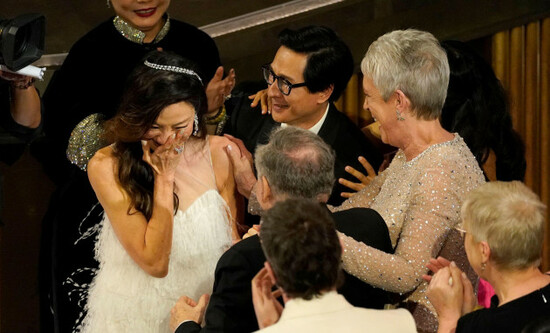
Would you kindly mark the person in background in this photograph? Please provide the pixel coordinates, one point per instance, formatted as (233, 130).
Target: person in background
(86, 90)
(477, 108)
(285, 167)
(406, 74)
(169, 198)
(20, 117)
(504, 226)
(308, 275)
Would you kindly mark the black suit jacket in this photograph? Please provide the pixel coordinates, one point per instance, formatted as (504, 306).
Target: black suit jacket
(230, 308)
(338, 131)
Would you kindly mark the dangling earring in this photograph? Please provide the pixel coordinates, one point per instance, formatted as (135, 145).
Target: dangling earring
(196, 127)
(108, 3)
(483, 266)
(399, 115)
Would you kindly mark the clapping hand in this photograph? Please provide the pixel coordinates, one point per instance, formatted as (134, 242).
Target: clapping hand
(268, 310)
(363, 180)
(165, 158)
(435, 265)
(450, 290)
(187, 309)
(219, 89)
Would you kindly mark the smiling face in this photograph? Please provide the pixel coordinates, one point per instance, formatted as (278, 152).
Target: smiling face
(145, 15)
(300, 108)
(171, 120)
(381, 111)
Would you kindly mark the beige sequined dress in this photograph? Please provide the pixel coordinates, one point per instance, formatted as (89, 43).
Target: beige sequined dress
(420, 201)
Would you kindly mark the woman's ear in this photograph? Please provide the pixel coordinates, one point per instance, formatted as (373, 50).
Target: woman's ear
(485, 251)
(403, 103)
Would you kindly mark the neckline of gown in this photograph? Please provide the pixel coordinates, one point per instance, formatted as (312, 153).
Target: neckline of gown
(184, 212)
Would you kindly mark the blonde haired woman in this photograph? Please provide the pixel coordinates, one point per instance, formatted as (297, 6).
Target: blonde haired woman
(504, 229)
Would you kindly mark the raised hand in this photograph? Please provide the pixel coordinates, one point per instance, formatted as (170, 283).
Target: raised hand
(187, 309)
(268, 310)
(435, 265)
(218, 89)
(363, 180)
(165, 158)
(446, 293)
(262, 98)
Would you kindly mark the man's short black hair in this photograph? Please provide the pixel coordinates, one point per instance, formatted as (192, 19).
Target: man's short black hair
(300, 242)
(329, 59)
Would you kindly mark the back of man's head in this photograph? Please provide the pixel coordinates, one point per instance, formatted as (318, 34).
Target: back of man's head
(329, 59)
(300, 243)
(297, 163)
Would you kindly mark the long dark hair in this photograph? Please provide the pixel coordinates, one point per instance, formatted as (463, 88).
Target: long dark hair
(148, 91)
(477, 108)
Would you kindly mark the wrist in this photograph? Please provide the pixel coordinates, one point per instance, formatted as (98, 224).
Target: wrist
(215, 117)
(447, 324)
(165, 179)
(23, 84)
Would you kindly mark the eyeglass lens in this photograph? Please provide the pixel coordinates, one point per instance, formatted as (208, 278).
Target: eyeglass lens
(282, 83)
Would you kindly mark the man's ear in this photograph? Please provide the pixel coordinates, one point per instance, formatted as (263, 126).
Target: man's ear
(267, 266)
(324, 95)
(266, 196)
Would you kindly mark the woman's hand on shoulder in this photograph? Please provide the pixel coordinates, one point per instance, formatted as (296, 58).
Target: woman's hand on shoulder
(220, 160)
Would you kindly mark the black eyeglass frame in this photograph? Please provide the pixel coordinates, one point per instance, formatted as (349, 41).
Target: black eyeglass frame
(267, 72)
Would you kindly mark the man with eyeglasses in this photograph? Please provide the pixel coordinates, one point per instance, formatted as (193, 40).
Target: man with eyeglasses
(307, 75)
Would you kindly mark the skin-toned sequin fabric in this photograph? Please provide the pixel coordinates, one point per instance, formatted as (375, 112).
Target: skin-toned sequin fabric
(420, 201)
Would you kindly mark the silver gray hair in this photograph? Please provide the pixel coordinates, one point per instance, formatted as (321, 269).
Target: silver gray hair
(414, 62)
(510, 218)
(296, 163)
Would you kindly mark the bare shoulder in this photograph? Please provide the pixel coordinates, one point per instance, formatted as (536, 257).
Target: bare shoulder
(217, 149)
(220, 160)
(102, 165)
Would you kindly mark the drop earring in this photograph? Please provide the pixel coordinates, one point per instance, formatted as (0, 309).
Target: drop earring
(196, 125)
(399, 115)
(108, 3)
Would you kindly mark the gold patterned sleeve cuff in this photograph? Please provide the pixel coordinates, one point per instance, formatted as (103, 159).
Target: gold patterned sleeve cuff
(85, 140)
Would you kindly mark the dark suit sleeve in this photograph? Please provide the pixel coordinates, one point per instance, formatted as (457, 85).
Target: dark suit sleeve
(188, 327)
(367, 226)
(230, 308)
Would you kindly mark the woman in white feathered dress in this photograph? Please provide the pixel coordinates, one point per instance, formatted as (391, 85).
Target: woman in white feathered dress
(169, 197)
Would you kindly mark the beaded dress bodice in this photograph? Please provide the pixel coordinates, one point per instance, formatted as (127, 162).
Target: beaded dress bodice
(420, 201)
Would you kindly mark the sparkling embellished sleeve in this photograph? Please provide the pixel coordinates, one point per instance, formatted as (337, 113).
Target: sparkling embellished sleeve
(364, 197)
(432, 211)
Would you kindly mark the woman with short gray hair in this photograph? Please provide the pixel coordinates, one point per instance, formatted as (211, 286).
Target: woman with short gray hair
(406, 74)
